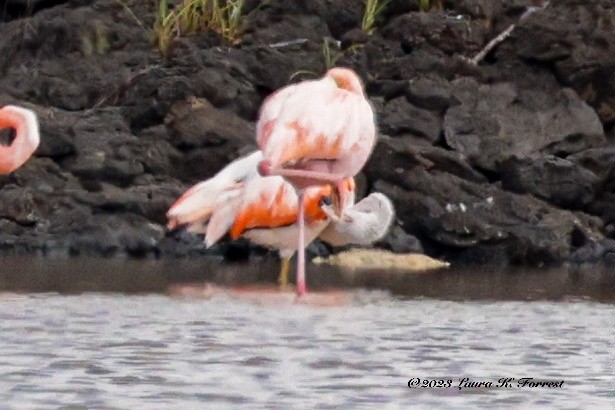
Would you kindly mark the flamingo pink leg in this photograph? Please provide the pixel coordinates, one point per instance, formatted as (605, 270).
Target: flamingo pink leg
(299, 173)
(300, 278)
(335, 179)
(265, 169)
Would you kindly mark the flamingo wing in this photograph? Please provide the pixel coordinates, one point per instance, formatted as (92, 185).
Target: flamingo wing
(267, 203)
(315, 120)
(195, 207)
(237, 199)
(271, 202)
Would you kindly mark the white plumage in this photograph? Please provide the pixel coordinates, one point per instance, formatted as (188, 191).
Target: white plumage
(316, 120)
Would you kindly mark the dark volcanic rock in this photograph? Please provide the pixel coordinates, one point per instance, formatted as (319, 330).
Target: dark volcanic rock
(461, 214)
(23, 8)
(405, 153)
(59, 137)
(494, 122)
(449, 33)
(577, 38)
(399, 241)
(66, 56)
(353, 37)
(119, 234)
(466, 219)
(263, 27)
(100, 144)
(151, 201)
(340, 16)
(429, 93)
(558, 181)
(480, 8)
(407, 66)
(595, 252)
(600, 161)
(199, 124)
(399, 116)
(17, 205)
(221, 88)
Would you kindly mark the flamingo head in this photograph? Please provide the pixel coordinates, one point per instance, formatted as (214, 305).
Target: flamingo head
(346, 79)
(338, 198)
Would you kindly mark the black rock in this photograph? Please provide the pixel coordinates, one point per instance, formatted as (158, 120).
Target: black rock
(429, 93)
(481, 125)
(401, 117)
(399, 241)
(199, 124)
(457, 213)
(558, 181)
(576, 37)
(449, 33)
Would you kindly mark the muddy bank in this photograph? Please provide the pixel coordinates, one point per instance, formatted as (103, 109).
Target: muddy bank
(507, 162)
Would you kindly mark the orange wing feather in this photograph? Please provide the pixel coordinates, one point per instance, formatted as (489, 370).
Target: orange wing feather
(281, 210)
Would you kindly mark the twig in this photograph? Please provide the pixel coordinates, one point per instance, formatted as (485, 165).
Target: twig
(504, 34)
(288, 43)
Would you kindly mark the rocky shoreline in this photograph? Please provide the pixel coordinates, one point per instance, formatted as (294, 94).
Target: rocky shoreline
(507, 162)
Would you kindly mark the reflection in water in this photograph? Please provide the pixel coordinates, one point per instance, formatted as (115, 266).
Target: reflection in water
(97, 350)
(136, 276)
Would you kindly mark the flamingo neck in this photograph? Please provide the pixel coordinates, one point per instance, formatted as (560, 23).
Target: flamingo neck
(26, 137)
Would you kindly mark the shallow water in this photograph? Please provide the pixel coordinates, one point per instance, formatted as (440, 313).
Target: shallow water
(113, 350)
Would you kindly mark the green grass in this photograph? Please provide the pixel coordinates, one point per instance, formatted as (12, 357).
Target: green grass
(373, 9)
(191, 16)
(330, 56)
(164, 26)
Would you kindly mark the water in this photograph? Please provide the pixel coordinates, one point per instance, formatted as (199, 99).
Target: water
(84, 349)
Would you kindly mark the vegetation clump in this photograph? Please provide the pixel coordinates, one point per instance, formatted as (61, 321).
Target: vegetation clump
(190, 16)
(373, 9)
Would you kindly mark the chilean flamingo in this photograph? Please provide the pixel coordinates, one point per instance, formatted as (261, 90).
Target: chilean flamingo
(315, 132)
(26, 140)
(264, 210)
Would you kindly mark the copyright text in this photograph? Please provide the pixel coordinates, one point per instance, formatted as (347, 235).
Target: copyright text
(501, 383)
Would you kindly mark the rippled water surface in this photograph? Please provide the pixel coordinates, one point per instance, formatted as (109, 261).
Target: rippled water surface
(113, 350)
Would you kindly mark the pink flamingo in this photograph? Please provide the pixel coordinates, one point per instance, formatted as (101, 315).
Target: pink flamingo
(316, 132)
(264, 210)
(26, 140)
